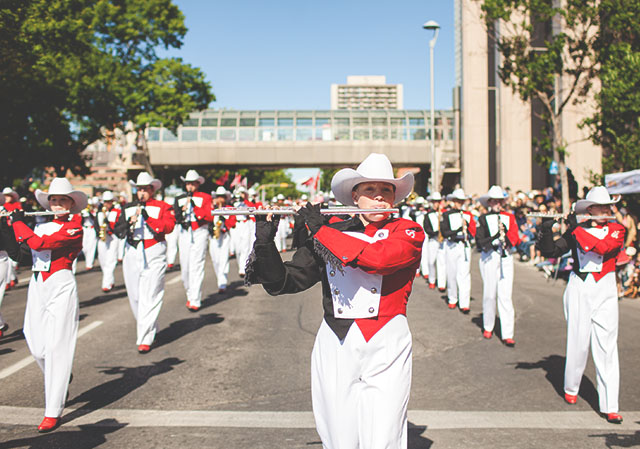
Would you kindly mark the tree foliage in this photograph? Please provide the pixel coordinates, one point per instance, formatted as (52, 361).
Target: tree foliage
(69, 67)
(547, 51)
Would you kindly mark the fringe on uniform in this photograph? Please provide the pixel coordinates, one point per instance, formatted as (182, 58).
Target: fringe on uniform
(327, 256)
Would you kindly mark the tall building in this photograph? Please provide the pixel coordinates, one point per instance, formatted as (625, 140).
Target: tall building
(497, 128)
(366, 92)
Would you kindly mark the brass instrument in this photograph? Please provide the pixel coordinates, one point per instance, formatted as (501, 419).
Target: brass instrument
(217, 229)
(102, 232)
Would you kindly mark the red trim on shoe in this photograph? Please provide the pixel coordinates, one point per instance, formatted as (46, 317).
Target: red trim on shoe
(614, 418)
(487, 334)
(570, 398)
(143, 349)
(48, 424)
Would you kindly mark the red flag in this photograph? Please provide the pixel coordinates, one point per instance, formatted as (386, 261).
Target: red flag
(308, 182)
(316, 181)
(223, 179)
(244, 182)
(237, 179)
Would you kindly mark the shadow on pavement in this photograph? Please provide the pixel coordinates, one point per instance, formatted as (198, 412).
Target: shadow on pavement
(109, 392)
(87, 437)
(180, 328)
(234, 289)
(103, 298)
(612, 440)
(497, 327)
(415, 438)
(553, 366)
(13, 336)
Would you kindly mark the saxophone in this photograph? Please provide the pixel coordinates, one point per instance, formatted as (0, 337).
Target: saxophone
(217, 229)
(102, 233)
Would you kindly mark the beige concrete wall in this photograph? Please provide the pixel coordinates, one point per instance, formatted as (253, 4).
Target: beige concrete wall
(474, 120)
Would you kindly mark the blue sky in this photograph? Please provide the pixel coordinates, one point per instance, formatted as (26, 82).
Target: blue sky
(285, 54)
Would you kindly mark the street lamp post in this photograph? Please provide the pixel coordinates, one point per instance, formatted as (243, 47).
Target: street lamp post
(432, 25)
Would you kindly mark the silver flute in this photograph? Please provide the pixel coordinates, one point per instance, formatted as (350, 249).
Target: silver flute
(39, 213)
(291, 211)
(578, 217)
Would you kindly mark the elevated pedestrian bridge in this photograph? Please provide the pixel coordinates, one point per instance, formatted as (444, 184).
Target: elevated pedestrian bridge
(318, 138)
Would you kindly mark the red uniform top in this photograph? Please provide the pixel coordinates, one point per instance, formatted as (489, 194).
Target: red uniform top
(395, 256)
(10, 207)
(201, 208)
(608, 246)
(159, 222)
(229, 220)
(62, 238)
(112, 218)
(512, 232)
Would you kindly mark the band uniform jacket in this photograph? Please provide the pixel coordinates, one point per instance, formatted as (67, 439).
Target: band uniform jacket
(160, 222)
(488, 231)
(201, 210)
(454, 231)
(394, 255)
(594, 249)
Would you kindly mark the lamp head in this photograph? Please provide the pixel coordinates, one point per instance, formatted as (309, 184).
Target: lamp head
(431, 25)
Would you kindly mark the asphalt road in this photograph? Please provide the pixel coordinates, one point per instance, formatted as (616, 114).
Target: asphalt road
(236, 373)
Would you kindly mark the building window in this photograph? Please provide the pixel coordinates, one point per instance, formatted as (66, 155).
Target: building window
(168, 136)
(322, 121)
(266, 134)
(379, 133)
(304, 134)
(190, 122)
(416, 121)
(304, 121)
(248, 122)
(231, 122)
(227, 135)
(266, 122)
(285, 122)
(189, 135)
(208, 135)
(361, 134)
(209, 122)
(246, 135)
(342, 134)
(417, 134)
(153, 135)
(285, 133)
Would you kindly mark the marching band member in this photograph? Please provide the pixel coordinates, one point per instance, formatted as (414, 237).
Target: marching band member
(243, 233)
(11, 203)
(458, 227)
(51, 315)
(591, 297)
(361, 360)
(193, 213)
(283, 225)
(418, 214)
(172, 238)
(106, 219)
(221, 239)
(90, 234)
(436, 246)
(145, 222)
(123, 199)
(4, 265)
(497, 237)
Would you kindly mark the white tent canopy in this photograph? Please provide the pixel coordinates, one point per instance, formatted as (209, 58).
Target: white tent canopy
(625, 182)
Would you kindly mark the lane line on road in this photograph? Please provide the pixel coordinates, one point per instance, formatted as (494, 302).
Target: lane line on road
(431, 419)
(6, 372)
(174, 280)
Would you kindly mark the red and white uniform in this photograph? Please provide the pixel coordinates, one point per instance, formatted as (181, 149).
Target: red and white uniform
(458, 255)
(108, 249)
(243, 236)
(51, 315)
(90, 237)
(145, 263)
(219, 248)
(192, 242)
(496, 269)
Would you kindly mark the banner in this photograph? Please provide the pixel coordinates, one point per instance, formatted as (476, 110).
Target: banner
(621, 183)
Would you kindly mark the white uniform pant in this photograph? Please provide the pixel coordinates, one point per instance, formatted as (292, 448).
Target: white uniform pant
(11, 270)
(51, 330)
(281, 235)
(360, 390)
(497, 280)
(121, 244)
(219, 252)
(424, 260)
(4, 279)
(144, 279)
(193, 253)
(458, 256)
(172, 245)
(243, 234)
(89, 245)
(591, 310)
(437, 263)
(108, 258)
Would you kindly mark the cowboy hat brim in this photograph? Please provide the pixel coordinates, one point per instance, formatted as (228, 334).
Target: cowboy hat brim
(80, 200)
(583, 205)
(156, 184)
(199, 179)
(13, 194)
(346, 179)
(484, 199)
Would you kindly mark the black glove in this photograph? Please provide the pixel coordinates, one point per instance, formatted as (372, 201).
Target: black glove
(312, 217)
(266, 230)
(144, 214)
(17, 215)
(547, 224)
(572, 222)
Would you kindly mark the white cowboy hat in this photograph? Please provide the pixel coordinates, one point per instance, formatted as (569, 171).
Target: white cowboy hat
(107, 196)
(435, 196)
(457, 194)
(494, 193)
(145, 179)
(597, 195)
(62, 186)
(419, 200)
(192, 176)
(221, 191)
(280, 197)
(9, 191)
(375, 168)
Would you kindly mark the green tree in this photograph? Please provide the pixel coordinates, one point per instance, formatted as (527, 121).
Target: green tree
(69, 67)
(558, 71)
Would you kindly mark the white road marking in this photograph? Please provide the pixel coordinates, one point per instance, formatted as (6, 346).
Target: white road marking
(24, 280)
(174, 280)
(431, 419)
(6, 372)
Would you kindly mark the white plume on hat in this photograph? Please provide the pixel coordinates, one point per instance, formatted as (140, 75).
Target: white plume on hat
(145, 179)
(107, 196)
(9, 191)
(192, 176)
(494, 193)
(62, 186)
(597, 195)
(457, 194)
(375, 168)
